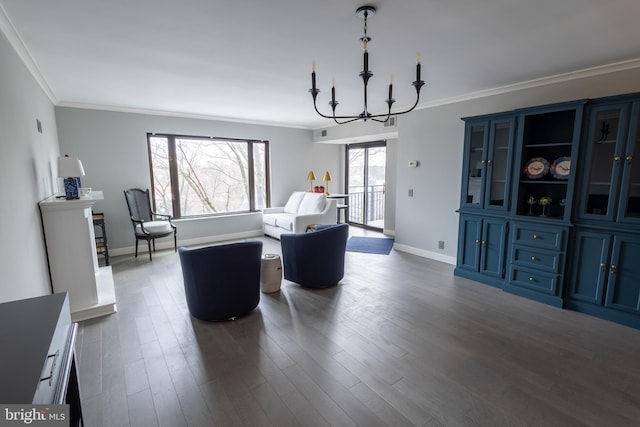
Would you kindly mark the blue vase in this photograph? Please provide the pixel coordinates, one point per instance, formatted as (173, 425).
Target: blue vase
(71, 186)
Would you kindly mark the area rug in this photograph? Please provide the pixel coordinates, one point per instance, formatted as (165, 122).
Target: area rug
(370, 245)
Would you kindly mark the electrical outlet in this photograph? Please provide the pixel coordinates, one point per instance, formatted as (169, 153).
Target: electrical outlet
(440, 244)
(411, 192)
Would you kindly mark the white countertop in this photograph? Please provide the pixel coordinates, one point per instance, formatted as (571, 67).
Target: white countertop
(60, 202)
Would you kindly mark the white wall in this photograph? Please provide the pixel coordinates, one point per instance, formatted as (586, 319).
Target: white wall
(28, 163)
(435, 141)
(391, 186)
(113, 150)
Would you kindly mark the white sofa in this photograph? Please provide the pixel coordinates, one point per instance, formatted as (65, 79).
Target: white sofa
(301, 210)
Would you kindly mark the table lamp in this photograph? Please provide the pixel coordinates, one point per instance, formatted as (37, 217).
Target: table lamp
(326, 178)
(70, 168)
(311, 177)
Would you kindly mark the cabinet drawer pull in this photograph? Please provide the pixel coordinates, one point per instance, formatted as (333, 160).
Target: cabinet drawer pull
(53, 367)
(483, 161)
(532, 279)
(478, 242)
(533, 258)
(489, 162)
(629, 158)
(614, 268)
(603, 266)
(617, 158)
(535, 236)
(484, 243)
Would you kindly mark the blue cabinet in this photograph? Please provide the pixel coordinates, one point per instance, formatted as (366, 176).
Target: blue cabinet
(623, 284)
(589, 270)
(536, 261)
(611, 177)
(605, 276)
(482, 252)
(546, 151)
(550, 205)
(499, 187)
(484, 197)
(605, 259)
(470, 233)
(487, 162)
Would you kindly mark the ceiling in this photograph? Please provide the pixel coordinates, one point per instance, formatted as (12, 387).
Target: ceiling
(250, 60)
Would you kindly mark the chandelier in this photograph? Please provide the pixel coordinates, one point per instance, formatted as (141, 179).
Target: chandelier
(364, 12)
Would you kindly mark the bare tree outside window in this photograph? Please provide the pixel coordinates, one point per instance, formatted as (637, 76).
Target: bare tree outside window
(161, 181)
(366, 174)
(195, 176)
(260, 171)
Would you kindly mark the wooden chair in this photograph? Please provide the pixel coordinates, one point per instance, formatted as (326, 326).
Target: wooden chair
(147, 224)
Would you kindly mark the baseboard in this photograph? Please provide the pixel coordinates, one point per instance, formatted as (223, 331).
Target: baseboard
(388, 232)
(168, 243)
(106, 302)
(425, 254)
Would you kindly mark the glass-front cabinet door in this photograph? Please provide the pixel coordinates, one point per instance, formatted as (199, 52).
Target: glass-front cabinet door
(606, 140)
(612, 179)
(487, 164)
(498, 163)
(629, 206)
(476, 137)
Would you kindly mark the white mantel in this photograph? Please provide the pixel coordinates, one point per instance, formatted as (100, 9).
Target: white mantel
(73, 262)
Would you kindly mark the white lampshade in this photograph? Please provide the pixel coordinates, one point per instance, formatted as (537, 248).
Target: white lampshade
(70, 167)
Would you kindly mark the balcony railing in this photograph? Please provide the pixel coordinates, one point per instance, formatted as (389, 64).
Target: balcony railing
(374, 200)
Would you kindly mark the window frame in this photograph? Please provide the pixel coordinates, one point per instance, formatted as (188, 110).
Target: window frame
(174, 177)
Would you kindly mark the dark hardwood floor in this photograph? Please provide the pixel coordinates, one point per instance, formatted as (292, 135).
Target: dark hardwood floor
(401, 342)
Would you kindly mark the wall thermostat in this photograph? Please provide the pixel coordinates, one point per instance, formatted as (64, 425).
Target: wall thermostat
(414, 163)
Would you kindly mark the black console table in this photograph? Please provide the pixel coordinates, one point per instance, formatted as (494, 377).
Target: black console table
(341, 206)
(37, 361)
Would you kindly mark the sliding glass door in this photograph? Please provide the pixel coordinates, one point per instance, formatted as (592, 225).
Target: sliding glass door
(366, 166)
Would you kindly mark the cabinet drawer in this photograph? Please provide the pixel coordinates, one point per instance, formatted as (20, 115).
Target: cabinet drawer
(541, 282)
(51, 384)
(536, 259)
(538, 236)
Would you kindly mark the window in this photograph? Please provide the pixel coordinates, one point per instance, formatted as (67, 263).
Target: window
(200, 176)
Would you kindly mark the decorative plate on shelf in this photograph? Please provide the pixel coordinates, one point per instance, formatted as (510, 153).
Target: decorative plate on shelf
(561, 168)
(536, 168)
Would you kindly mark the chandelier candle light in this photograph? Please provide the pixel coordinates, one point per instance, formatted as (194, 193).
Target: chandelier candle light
(364, 12)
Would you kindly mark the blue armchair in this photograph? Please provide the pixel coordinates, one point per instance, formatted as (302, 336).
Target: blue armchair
(222, 281)
(315, 259)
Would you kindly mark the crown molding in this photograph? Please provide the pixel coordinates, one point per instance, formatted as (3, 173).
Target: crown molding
(152, 112)
(9, 30)
(543, 81)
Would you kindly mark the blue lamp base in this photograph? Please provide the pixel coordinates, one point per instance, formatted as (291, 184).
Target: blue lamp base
(71, 186)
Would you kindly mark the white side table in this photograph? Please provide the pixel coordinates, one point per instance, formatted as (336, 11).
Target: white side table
(270, 273)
